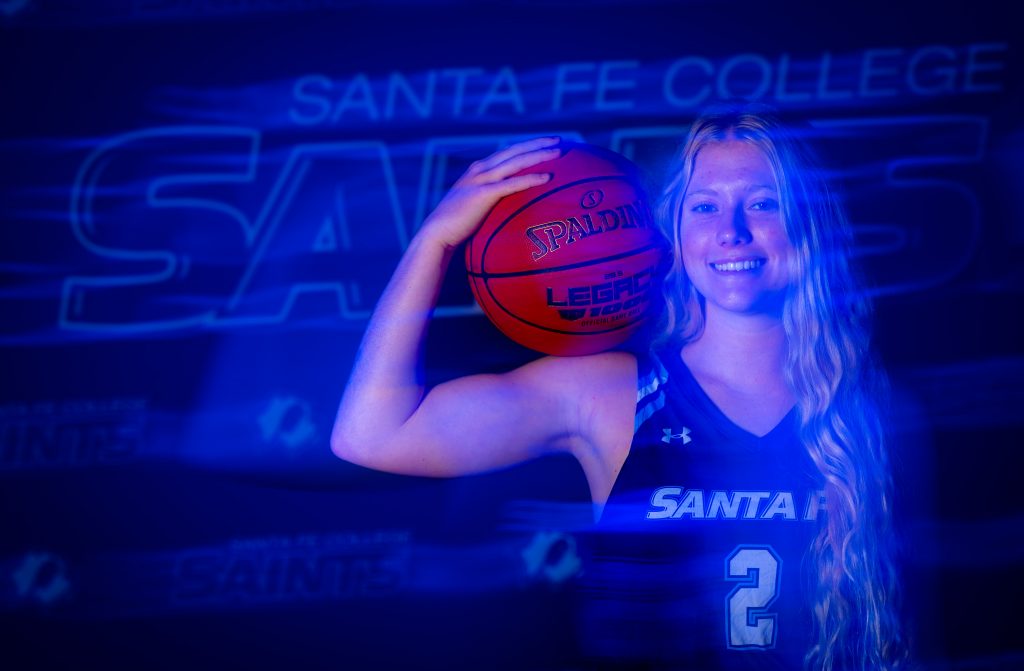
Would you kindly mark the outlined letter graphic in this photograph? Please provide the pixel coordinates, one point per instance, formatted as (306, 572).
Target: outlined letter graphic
(194, 226)
(915, 218)
(330, 224)
(151, 204)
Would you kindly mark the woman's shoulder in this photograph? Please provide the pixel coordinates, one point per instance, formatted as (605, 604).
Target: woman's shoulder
(597, 394)
(589, 388)
(590, 371)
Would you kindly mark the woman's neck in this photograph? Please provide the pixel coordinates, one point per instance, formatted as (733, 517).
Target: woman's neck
(744, 352)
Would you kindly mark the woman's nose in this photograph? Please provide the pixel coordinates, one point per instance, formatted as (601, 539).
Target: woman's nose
(733, 230)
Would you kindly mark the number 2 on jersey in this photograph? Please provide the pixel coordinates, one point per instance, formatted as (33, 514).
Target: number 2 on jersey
(748, 624)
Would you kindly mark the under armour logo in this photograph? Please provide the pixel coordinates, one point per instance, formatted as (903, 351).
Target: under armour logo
(669, 436)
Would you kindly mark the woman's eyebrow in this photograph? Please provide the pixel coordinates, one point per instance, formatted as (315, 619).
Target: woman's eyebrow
(705, 191)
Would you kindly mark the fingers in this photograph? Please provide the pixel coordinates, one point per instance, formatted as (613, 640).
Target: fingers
(522, 161)
(518, 183)
(514, 150)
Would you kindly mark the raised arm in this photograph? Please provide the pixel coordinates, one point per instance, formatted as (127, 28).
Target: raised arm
(466, 425)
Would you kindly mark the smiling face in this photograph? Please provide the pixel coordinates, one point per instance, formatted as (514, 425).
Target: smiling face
(734, 244)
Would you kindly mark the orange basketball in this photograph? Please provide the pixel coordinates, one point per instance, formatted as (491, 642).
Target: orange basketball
(569, 267)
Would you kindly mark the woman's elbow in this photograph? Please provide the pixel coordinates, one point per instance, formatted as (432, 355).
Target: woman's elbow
(362, 450)
(344, 445)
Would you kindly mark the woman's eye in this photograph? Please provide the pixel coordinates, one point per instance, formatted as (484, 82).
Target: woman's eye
(703, 208)
(765, 205)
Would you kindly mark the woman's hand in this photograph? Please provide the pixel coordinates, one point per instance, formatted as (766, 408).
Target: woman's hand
(487, 181)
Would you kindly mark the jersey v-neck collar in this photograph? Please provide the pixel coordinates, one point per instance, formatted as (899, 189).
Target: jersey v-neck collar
(679, 373)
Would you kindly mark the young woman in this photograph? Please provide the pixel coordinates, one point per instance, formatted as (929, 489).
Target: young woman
(741, 460)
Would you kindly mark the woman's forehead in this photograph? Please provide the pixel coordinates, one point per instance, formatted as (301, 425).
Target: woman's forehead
(731, 163)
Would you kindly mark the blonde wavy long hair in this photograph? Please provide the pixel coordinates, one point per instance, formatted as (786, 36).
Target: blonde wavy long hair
(838, 388)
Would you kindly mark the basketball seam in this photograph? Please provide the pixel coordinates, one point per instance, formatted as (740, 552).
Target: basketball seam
(571, 266)
(484, 307)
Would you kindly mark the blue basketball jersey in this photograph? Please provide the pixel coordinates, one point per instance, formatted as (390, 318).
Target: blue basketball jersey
(698, 559)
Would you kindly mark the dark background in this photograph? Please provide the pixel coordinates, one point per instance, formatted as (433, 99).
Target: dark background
(201, 201)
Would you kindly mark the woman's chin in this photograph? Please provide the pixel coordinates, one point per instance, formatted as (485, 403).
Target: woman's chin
(758, 306)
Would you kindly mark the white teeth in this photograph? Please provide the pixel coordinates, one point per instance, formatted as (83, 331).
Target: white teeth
(735, 266)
